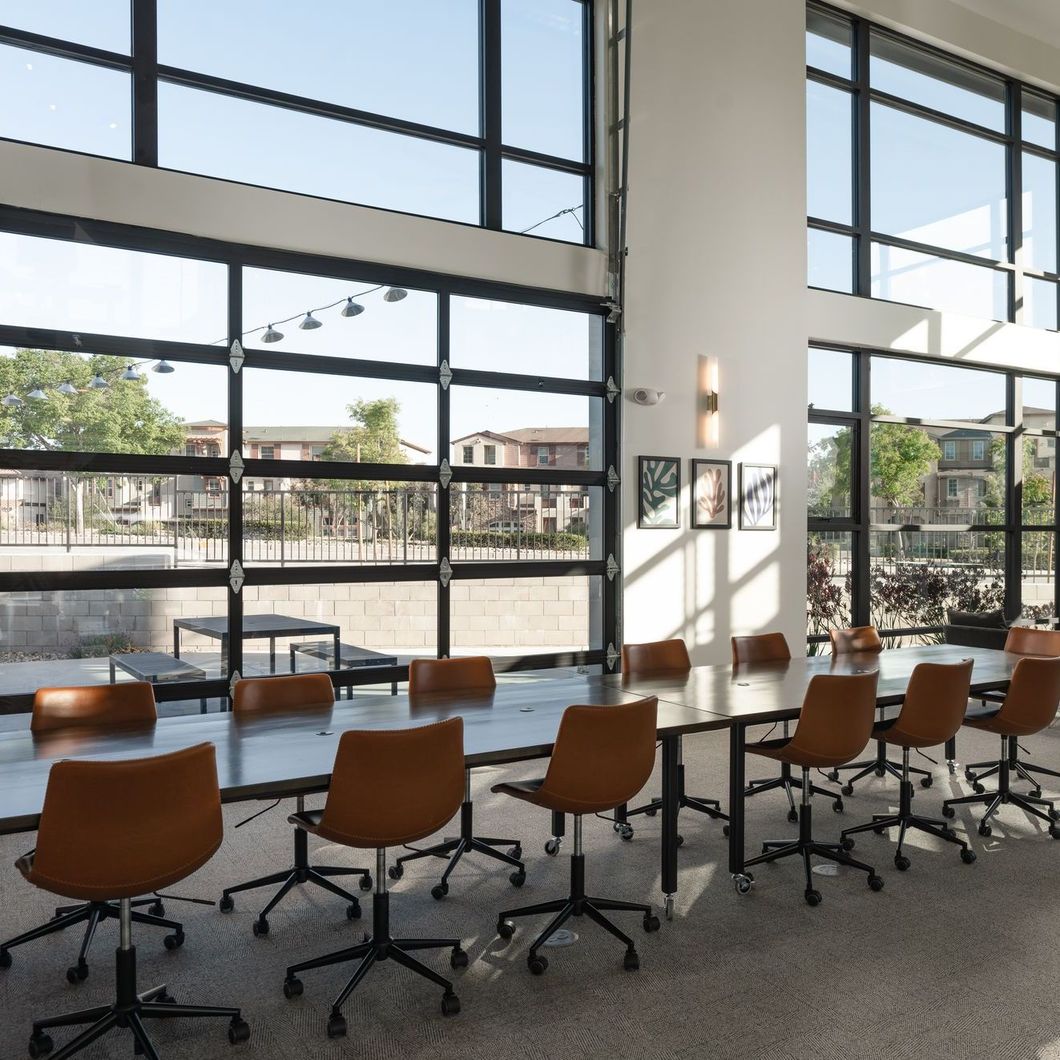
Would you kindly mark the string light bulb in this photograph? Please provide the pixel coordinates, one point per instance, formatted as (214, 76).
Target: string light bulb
(12, 401)
(131, 374)
(36, 394)
(163, 368)
(310, 322)
(395, 294)
(271, 335)
(352, 308)
(67, 388)
(98, 382)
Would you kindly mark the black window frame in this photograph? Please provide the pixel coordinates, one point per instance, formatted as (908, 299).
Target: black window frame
(146, 74)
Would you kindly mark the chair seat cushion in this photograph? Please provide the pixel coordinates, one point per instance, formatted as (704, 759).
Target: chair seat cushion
(309, 820)
(780, 750)
(520, 789)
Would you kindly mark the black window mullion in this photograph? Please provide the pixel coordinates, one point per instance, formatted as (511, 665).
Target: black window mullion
(1014, 180)
(861, 147)
(589, 120)
(444, 507)
(860, 604)
(1014, 499)
(612, 528)
(492, 204)
(235, 489)
(145, 82)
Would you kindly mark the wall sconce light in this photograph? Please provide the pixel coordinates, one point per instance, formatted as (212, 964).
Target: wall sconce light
(707, 391)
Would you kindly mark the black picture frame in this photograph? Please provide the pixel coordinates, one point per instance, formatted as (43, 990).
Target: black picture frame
(701, 503)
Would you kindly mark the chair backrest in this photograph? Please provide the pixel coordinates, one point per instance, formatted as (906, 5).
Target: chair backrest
(602, 757)
(935, 702)
(856, 638)
(130, 702)
(1033, 695)
(1024, 640)
(397, 786)
(837, 716)
(658, 656)
(766, 647)
(113, 830)
(256, 697)
(471, 674)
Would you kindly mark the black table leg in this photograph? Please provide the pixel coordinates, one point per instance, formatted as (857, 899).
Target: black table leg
(224, 654)
(272, 655)
(176, 641)
(113, 675)
(737, 745)
(951, 754)
(671, 759)
(337, 649)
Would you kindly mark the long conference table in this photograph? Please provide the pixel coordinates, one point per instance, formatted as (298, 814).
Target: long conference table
(280, 757)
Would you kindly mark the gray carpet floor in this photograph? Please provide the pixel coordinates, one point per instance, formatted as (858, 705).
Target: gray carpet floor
(947, 961)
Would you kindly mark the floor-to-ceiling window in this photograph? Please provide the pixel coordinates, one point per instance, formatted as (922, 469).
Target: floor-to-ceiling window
(247, 458)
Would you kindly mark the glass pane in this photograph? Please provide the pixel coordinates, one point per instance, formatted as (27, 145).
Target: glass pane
(1039, 212)
(62, 103)
(831, 381)
(937, 283)
(1039, 403)
(308, 520)
(71, 637)
(304, 416)
(505, 521)
(958, 198)
(829, 559)
(923, 77)
(926, 391)
(1038, 584)
(543, 202)
(410, 59)
(101, 24)
(543, 74)
(1039, 481)
(184, 411)
(1039, 120)
(79, 287)
(829, 153)
(257, 144)
(509, 337)
(555, 431)
(915, 577)
(831, 261)
(526, 616)
(404, 330)
(1039, 303)
(829, 471)
(828, 43)
(378, 624)
(59, 521)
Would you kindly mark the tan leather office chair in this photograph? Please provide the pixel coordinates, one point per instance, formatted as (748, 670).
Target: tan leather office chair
(933, 710)
(105, 836)
(763, 649)
(866, 640)
(602, 757)
(1029, 706)
(260, 698)
(655, 659)
(59, 710)
(1021, 640)
(470, 676)
(833, 728)
(388, 789)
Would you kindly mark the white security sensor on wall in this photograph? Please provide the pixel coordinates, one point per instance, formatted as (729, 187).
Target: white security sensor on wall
(643, 395)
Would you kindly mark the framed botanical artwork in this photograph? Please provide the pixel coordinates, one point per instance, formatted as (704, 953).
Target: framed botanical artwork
(659, 506)
(758, 497)
(711, 494)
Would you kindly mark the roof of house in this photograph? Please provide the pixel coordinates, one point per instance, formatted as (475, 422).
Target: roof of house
(535, 435)
(271, 435)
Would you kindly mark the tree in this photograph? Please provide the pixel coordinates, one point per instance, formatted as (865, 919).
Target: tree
(901, 459)
(123, 418)
(829, 479)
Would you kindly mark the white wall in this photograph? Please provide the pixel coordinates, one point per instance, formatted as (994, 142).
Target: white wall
(717, 267)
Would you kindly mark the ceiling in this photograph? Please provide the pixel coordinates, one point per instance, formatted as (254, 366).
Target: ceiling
(1035, 18)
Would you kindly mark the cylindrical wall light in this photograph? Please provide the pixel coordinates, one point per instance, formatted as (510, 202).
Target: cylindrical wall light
(709, 428)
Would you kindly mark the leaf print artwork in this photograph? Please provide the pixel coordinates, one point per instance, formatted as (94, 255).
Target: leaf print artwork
(758, 497)
(660, 490)
(711, 494)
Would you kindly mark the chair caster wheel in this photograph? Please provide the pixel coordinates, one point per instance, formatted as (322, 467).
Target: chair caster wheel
(1054, 831)
(880, 772)
(353, 911)
(77, 973)
(516, 852)
(260, 927)
(967, 856)
(1054, 815)
(292, 988)
(847, 789)
(969, 776)
(5, 958)
(238, 1031)
(450, 1004)
(950, 832)
(846, 844)
(813, 897)
(948, 811)
(1037, 793)
(833, 776)
(631, 961)
(926, 782)
(156, 908)
(174, 941)
(517, 878)
(879, 831)
(742, 883)
(680, 840)
(40, 1045)
(439, 891)
(875, 883)
(336, 1026)
(505, 928)
(552, 848)
(901, 862)
(625, 832)
(978, 788)
(537, 964)
(725, 830)
(793, 815)
(395, 872)
(367, 882)
(458, 958)
(650, 813)
(985, 829)
(651, 922)
(837, 806)
(226, 904)
(166, 998)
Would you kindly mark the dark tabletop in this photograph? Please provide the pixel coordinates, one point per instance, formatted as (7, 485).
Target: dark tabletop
(256, 626)
(155, 666)
(291, 755)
